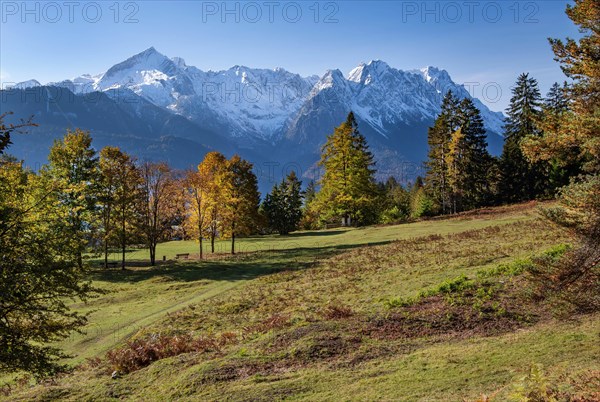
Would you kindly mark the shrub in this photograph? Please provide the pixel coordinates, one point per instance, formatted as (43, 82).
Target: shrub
(140, 353)
(393, 215)
(455, 285)
(450, 286)
(421, 205)
(337, 311)
(275, 321)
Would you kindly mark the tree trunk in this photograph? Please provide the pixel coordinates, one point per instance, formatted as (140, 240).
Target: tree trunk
(200, 237)
(152, 253)
(123, 244)
(105, 255)
(123, 254)
(212, 242)
(232, 238)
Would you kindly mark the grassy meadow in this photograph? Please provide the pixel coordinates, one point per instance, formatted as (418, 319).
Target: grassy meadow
(426, 311)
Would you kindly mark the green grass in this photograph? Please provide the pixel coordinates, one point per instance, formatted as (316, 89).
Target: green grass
(282, 303)
(340, 237)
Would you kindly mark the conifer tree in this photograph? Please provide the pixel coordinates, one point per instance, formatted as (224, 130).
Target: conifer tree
(283, 206)
(556, 99)
(477, 161)
(348, 190)
(421, 204)
(395, 202)
(458, 164)
(562, 167)
(521, 180)
(438, 139)
(310, 193)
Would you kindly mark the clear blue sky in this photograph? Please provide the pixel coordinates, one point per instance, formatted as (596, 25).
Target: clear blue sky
(488, 42)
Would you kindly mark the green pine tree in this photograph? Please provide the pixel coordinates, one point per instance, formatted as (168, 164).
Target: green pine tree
(522, 180)
(475, 185)
(283, 206)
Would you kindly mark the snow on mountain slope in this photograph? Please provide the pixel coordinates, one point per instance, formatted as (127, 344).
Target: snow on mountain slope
(442, 82)
(26, 84)
(387, 96)
(253, 102)
(266, 105)
(383, 97)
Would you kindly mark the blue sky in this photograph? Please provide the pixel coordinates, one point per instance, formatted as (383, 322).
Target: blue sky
(485, 44)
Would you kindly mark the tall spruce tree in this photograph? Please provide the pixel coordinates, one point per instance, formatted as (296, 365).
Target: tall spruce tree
(521, 180)
(348, 190)
(556, 99)
(476, 188)
(458, 164)
(283, 206)
(310, 193)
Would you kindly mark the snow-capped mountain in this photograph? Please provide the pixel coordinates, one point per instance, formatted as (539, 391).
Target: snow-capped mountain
(276, 112)
(261, 103)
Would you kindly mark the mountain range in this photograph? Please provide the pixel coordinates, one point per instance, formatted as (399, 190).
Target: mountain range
(159, 108)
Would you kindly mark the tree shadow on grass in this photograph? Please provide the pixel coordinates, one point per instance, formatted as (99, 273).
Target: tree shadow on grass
(315, 233)
(239, 267)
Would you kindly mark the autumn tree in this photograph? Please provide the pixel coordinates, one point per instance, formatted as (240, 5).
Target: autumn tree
(159, 203)
(348, 190)
(576, 278)
(421, 203)
(128, 198)
(563, 166)
(242, 199)
(197, 206)
(207, 214)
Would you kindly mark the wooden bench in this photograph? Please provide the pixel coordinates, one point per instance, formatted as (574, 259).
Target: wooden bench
(113, 264)
(183, 256)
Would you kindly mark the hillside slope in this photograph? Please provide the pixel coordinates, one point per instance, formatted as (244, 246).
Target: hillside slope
(439, 314)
